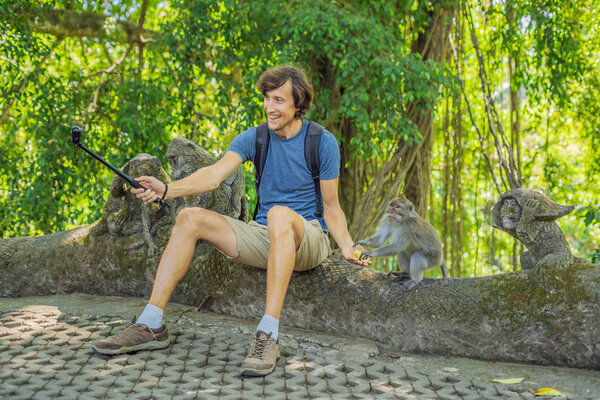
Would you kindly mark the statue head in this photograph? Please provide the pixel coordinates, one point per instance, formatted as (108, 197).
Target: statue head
(512, 204)
(186, 157)
(510, 214)
(518, 209)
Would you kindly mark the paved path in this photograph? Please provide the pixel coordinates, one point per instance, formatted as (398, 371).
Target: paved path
(45, 353)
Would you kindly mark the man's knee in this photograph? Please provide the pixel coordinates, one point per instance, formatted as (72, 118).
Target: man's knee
(191, 221)
(279, 220)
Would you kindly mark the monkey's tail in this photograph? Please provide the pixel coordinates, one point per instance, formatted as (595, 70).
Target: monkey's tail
(444, 269)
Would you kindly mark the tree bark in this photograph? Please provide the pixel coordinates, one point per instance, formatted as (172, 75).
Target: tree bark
(446, 228)
(432, 45)
(456, 231)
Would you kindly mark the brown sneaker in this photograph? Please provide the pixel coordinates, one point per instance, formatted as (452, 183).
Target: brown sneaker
(262, 356)
(134, 337)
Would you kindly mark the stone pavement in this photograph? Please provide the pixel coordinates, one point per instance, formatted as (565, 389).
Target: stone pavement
(45, 353)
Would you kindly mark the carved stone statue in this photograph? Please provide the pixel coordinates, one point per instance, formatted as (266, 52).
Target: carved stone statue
(185, 158)
(529, 217)
(123, 215)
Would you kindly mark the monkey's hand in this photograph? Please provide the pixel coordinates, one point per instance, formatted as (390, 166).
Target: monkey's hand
(366, 255)
(354, 255)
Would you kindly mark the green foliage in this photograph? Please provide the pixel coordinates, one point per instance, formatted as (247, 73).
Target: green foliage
(362, 68)
(557, 59)
(197, 79)
(47, 185)
(591, 215)
(591, 218)
(553, 51)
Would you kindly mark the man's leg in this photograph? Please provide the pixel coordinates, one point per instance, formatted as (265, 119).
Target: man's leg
(286, 230)
(192, 224)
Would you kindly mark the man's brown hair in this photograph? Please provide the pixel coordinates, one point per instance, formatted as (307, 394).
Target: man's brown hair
(276, 77)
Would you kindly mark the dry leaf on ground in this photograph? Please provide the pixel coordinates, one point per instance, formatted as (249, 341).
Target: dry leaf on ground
(508, 381)
(547, 392)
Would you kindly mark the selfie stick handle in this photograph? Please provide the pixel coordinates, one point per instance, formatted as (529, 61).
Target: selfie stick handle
(117, 171)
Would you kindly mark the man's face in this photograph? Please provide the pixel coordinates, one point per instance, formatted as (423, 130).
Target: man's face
(280, 108)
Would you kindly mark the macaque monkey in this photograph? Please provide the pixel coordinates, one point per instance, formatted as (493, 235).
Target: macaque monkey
(413, 239)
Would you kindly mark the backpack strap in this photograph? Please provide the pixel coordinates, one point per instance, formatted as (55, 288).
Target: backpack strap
(313, 162)
(260, 158)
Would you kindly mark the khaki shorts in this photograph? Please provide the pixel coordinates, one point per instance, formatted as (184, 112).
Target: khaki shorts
(253, 244)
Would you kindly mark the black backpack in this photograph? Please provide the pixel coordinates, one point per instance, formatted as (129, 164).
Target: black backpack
(311, 155)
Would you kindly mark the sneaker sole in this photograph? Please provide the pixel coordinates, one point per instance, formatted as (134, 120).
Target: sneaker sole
(142, 346)
(257, 372)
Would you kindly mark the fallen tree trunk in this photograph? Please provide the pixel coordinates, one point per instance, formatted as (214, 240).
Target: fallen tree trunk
(545, 316)
(518, 317)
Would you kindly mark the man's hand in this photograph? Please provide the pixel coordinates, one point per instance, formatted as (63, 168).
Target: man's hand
(348, 253)
(153, 186)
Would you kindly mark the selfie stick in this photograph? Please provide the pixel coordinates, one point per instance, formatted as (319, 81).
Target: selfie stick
(76, 137)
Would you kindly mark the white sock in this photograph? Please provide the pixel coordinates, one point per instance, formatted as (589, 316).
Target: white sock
(268, 325)
(151, 317)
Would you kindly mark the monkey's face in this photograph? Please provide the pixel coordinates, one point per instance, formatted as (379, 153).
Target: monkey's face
(399, 208)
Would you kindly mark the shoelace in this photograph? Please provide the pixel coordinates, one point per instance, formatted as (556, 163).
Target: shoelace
(124, 330)
(131, 325)
(258, 348)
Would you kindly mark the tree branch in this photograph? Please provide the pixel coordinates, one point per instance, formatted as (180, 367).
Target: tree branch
(140, 29)
(68, 23)
(479, 135)
(509, 169)
(94, 103)
(106, 53)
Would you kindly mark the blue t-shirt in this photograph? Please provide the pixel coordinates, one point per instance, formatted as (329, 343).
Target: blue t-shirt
(286, 179)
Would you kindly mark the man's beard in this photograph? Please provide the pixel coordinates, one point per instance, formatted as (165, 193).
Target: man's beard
(282, 125)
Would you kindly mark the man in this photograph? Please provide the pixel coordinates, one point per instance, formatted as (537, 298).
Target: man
(287, 235)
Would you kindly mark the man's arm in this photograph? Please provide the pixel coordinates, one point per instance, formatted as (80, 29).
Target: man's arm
(203, 180)
(336, 220)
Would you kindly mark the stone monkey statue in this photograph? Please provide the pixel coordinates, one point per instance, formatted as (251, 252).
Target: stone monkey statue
(124, 214)
(529, 217)
(185, 158)
(413, 239)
